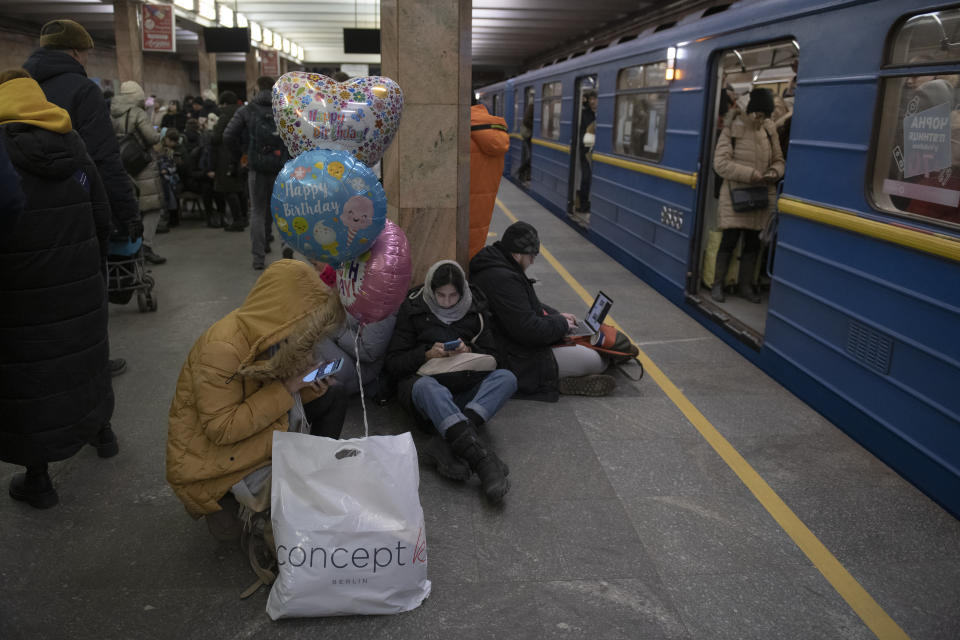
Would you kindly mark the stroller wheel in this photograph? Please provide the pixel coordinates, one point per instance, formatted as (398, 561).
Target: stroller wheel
(151, 301)
(142, 302)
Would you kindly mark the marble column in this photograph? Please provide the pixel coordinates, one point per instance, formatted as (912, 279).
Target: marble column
(129, 52)
(207, 64)
(252, 71)
(425, 48)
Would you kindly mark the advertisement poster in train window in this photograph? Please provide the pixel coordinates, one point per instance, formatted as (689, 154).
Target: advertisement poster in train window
(157, 28)
(926, 140)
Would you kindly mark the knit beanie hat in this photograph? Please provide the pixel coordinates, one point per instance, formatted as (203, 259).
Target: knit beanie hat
(761, 100)
(65, 34)
(522, 238)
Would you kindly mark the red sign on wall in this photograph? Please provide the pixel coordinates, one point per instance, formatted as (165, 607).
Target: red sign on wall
(158, 33)
(270, 63)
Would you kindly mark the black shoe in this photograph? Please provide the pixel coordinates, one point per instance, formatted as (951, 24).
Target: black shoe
(105, 442)
(287, 253)
(150, 256)
(163, 228)
(36, 489)
(436, 453)
(117, 366)
(258, 267)
(593, 385)
(267, 248)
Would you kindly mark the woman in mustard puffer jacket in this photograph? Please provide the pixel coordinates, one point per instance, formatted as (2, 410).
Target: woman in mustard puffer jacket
(241, 380)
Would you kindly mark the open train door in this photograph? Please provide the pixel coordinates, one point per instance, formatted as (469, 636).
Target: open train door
(735, 72)
(581, 149)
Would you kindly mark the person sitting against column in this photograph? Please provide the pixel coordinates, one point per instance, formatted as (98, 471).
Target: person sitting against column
(439, 322)
(244, 379)
(531, 332)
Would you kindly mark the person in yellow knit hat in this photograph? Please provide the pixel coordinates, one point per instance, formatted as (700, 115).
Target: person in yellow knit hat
(55, 393)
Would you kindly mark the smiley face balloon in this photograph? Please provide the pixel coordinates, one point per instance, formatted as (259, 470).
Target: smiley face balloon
(360, 115)
(328, 206)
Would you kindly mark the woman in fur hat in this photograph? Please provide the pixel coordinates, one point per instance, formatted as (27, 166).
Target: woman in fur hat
(243, 380)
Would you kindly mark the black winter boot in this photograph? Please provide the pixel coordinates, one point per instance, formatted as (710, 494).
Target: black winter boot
(719, 273)
(745, 282)
(34, 487)
(105, 442)
(436, 453)
(466, 443)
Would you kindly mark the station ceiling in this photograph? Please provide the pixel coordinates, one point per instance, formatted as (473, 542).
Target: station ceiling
(507, 34)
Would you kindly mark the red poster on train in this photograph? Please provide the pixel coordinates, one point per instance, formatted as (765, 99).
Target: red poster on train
(270, 63)
(158, 28)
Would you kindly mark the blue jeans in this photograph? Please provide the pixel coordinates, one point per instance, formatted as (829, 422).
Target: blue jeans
(445, 409)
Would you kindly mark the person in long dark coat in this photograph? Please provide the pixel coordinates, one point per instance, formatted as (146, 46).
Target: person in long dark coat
(55, 393)
(58, 66)
(227, 180)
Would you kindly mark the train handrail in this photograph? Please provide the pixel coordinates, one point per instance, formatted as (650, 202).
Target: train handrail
(925, 241)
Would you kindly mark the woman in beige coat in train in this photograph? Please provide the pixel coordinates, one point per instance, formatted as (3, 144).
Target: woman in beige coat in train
(748, 155)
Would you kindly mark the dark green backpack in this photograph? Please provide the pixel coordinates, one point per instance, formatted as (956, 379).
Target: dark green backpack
(267, 152)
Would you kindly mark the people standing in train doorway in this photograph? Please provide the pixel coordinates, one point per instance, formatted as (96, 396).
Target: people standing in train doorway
(749, 159)
(588, 119)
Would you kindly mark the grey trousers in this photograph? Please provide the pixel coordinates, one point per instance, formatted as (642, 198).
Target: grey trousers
(261, 188)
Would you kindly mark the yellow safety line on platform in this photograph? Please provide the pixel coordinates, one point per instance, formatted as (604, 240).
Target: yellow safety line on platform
(935, 243)
(862, 603)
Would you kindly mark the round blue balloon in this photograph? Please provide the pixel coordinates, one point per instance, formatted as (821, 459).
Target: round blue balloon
(328, 205)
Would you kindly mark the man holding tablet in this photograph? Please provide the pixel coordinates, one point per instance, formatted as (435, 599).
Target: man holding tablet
(530, 332)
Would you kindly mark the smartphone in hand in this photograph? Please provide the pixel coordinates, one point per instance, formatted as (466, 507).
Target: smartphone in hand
(452, 345)
(324, 370)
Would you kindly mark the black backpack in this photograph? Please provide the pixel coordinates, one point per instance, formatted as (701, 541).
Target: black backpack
(267, 152)
(134, 154)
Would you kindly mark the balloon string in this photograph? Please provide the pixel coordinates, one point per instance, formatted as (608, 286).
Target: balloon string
(363, 401)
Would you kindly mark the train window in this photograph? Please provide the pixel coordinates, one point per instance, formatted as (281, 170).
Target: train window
(916, 154)
(498, 104)
(641, 111)
(550, 104)
(928, 37)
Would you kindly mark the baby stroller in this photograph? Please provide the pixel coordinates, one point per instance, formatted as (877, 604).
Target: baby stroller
(126, 275)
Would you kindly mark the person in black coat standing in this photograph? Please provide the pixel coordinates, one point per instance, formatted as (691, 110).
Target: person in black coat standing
(55, 393)
(445, 309)
(58, 66)
(531, 332)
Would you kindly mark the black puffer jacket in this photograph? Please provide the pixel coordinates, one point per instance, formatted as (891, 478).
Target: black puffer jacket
(227, 178)
(65, 83)
(417, 330)
(525, 326)
(55, 389)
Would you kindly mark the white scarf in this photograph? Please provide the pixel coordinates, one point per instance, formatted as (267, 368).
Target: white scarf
(447, 315)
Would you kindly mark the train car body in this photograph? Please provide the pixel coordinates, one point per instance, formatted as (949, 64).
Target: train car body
(861, 304)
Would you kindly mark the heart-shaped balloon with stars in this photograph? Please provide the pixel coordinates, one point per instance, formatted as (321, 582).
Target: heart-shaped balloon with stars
(359, 116)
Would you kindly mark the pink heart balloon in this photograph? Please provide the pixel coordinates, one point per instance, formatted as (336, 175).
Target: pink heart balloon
(373, 284)
(360, 116)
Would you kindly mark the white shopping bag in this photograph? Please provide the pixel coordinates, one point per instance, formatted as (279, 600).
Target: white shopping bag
(348, 526)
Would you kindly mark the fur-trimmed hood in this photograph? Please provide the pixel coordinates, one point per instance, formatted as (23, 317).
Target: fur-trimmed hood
(291, 308)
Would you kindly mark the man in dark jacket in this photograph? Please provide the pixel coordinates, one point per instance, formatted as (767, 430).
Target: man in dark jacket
(530, 332)
(58, 66)
(55, 393)
(254, 129)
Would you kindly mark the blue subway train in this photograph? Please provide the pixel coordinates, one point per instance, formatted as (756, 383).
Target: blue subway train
(859, 276)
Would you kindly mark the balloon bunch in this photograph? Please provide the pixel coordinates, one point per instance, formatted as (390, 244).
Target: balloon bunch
(327, 203)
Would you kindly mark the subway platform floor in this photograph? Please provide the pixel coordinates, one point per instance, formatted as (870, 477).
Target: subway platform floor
(702, 502)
